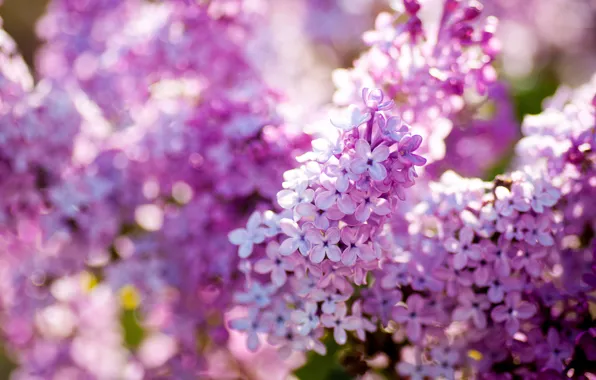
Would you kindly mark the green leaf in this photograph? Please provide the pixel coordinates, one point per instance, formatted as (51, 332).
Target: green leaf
(325, 367)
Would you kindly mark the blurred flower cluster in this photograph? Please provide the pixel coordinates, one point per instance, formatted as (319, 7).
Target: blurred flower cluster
(213, 189)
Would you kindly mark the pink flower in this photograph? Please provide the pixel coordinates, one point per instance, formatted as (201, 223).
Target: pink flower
(365, 160)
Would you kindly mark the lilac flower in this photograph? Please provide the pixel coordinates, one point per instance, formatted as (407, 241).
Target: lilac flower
(371, 162)
(405, 150)
(296, 238)
(247, 237)
(370, 203)
(252, 325)
(463, 248)
(306, 318)
(289, 199)
(543, 196)
(508, 202)
(416, 370)
(414, 316)
(330, 300)
(324, 245)
(274, 264)
(350, 118)
(355, 246)
(529, 259)
(321, 217)
(364, 325)
(340, 323)
(392, 128)
(472, 306)
(343, 173)
(381, 302)
(257, 294)
(555, 351)
(446, 360)
(331, 196)
(513, 312)
(536, 230)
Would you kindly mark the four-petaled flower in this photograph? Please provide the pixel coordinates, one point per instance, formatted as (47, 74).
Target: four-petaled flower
(340, 323)
(274, 264)
(414, 316)
(514, 311)
(365, 160)
(253, 234)
(406, 148)
(324, 244)
(296, 238)
(463, 248)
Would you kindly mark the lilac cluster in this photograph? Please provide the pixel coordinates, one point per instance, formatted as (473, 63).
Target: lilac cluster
(122, 172)
(301, 265)
(426, 64)
(499, 277)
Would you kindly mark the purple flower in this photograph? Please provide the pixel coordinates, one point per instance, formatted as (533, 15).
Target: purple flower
(356, 246)
(307, 318)
(472, 307)
(257, 294)
(340, 323)
(247, 237)
(555, 351)
(350, 118)
(513, 312)
(368, 203)
(331, 196)
(296, 238)
(274, 264)
(530, 259)
(536, 230)
(463, 248)
(252, 325)
(289, 199)
(365, 160)
(324, 245)
(414, 316)
(343, 173)
(364, 325)
(508, 202)
(406, 148)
